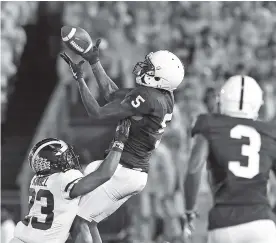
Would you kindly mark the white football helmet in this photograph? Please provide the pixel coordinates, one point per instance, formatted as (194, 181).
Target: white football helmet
(241, 96)
(161, 69)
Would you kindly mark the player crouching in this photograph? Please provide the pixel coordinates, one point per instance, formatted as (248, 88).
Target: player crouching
(240, 152)
(56, 188)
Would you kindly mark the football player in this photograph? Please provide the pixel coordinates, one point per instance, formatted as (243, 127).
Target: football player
(240, 152)
(56, 188)
(150, 106)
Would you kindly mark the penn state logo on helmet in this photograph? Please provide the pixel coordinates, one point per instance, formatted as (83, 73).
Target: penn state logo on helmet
(52, 155)
(161, 69)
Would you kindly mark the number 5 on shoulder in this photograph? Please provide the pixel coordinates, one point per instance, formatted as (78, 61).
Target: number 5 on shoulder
(137, 102)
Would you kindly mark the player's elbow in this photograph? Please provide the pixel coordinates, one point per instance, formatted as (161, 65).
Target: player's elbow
(94, 114)
(101, 115)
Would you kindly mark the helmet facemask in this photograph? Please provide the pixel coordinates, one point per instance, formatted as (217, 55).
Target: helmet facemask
(70, 159)
(145, 67)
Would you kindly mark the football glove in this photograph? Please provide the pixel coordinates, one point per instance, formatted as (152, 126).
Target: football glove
(92, 56)
(121, 136)
(76, 68)
(189, 226)
(122, 131)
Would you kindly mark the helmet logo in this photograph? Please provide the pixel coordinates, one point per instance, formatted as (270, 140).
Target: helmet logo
(62, 150)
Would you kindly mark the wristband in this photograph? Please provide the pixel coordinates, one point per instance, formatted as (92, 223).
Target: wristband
(118, 146)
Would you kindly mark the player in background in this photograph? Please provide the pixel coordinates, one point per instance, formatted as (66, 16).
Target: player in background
(56, 188)
(209, 100)
(240, 152)
(150, 106)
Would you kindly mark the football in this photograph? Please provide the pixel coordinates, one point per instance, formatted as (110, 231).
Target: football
(77, 39)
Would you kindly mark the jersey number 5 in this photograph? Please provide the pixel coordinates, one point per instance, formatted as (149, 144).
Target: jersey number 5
(251, 151)
(47, 215)
(137, 102)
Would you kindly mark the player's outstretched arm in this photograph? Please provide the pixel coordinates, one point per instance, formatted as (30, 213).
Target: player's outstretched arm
(192, 181)
(107, 167)
(90, 103)
(137, 102)
(115, 110)
(106, 85)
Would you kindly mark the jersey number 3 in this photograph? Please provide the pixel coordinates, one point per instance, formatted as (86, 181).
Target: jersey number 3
(251, 151)
(47, 215)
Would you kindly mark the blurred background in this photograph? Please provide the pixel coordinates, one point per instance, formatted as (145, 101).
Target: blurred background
(40, 99)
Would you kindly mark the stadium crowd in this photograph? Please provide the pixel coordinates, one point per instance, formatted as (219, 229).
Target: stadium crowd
(14, 15)
(214, 40)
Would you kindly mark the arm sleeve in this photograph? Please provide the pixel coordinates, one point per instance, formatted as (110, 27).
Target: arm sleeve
(70, 178)
(201, 125)
(139, 101)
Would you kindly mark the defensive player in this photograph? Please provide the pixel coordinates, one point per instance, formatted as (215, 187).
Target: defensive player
(150, 106)
(240, 152)
(56, 188)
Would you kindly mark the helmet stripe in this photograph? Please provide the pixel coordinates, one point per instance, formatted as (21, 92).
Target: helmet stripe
(40, 148)
(242, 92)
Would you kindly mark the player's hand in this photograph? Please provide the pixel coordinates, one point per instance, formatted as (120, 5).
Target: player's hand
(92, 56)
(76, 68)
(189, 226)
(122, 131)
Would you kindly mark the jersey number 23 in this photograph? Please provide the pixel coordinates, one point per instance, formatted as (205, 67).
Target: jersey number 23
(42, 197)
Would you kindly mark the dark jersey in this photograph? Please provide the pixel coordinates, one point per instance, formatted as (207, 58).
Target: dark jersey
(153, 108)
(241, 155)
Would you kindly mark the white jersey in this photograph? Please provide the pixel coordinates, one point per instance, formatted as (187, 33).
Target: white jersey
(51, 210)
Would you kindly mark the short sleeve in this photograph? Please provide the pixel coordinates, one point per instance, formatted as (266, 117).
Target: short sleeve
(139, 101)
(201, 125)
(70, 178)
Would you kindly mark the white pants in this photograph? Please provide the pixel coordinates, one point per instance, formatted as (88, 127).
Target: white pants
(259, 231)
(107, 198)
(16, 240)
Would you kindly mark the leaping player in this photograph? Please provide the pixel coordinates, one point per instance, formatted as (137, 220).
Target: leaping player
(56, 188)
(240, 152)
(150, 106)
